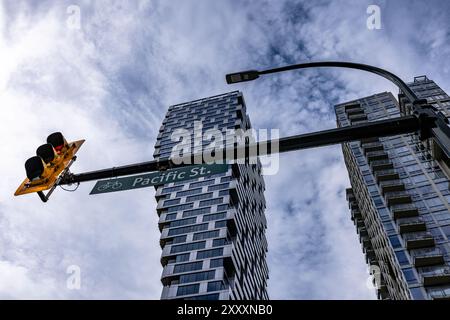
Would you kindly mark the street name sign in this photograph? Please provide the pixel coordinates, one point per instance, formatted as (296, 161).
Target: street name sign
(157, 178)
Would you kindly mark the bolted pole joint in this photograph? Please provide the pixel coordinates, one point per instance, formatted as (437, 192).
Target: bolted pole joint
(427, 115)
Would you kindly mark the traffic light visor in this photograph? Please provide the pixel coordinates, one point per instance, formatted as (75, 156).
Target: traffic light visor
(34, 168)
(46, 152)
(57, 140)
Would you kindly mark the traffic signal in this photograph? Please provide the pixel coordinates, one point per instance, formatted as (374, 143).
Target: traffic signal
(58, 142)
(51, 161)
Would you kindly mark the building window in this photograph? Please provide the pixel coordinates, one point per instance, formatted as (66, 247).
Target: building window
(186, 267)
(388, 226)
(201, 184)
(373, 189)
(446, 230)
(218, 187)
(433, 202)
(223, 207)
(193, 228)
(383, 212)
(199, 276)
(395, 241)
(182, 257)
(219, 242)
(171, 216)
(171, 189)
(401, 257)
(378, 201)
(215, 286)
(410, 277)
(209, 253)
(179, 239)
(206, 235)
(211, 202)
(182, 222)
(199, 197)
(214, 216)
(189, 289)
(180, 207)
(215, 263)
(214, 296)
(189, 192)
(171, 202)
(188, 247)
(221, 224)
(419, 178)
(196, 212)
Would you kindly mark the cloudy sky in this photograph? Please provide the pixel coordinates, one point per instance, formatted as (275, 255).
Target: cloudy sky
(110, 78)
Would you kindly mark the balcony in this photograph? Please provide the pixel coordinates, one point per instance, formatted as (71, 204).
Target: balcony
(382, 292)
(391, 186)
(355, 122)
(371, 258)
(239, 111)
(366, 243)
(359, 223)
(381, 165)
(355, 111)
(353, 106)
(397, 197)
(356, 214)
(415, 224)
(370, 253)
(368, 140)
(389, 174)
(363, 232)
(418, 240)
(377, 155)
(427, 257)
(357, 117)
(433, 276)
(404, 211)
(350, 196)
(373, 146)
(440, 294)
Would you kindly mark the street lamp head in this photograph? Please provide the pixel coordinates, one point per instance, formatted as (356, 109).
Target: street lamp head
(242, 76)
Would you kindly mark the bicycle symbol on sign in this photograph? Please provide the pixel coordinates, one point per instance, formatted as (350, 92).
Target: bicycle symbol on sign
(110, 185)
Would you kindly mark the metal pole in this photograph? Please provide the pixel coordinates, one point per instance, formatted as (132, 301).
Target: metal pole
(381, 128)
(350, 65)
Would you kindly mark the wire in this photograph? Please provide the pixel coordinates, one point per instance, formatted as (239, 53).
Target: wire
(70, 190)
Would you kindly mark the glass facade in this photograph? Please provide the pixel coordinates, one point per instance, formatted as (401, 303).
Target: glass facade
(400, 199)
(212, 228)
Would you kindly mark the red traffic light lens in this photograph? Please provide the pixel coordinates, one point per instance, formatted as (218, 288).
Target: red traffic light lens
(57, 140)
(34, 167)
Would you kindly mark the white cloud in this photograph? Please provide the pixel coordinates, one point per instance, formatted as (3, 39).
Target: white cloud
(111, 82)
(55, 84)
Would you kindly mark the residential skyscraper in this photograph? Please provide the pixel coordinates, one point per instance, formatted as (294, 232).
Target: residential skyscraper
(212, 228)
(399, 198)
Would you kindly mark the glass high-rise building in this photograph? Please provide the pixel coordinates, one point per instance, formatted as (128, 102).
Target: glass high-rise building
(400, 199)
(212, 228)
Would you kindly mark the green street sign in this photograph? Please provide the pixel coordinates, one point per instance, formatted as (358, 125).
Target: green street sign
(157, 178)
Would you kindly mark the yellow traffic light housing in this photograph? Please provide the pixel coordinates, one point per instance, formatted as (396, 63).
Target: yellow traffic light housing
(52, 160)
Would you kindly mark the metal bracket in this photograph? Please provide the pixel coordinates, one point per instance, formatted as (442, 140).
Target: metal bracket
(427, 115)
(44, 197)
